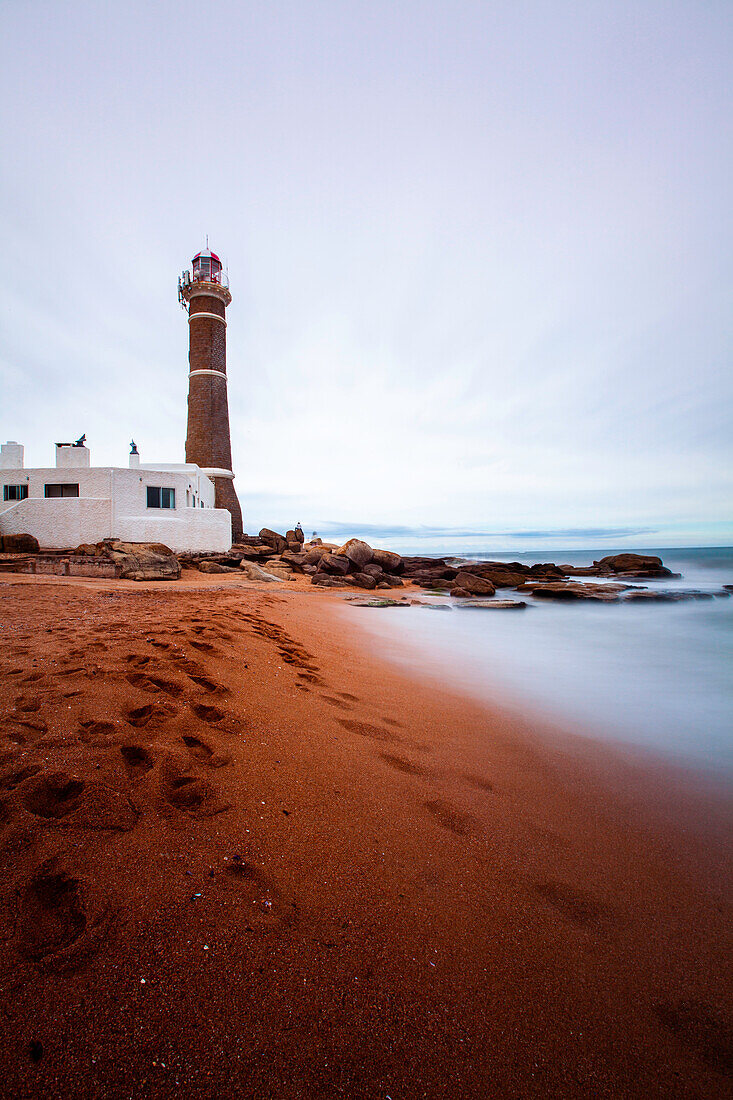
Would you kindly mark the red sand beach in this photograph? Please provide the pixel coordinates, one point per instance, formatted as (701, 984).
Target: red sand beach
(242, 856)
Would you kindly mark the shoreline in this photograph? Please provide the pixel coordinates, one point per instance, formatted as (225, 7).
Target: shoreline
(383, 823)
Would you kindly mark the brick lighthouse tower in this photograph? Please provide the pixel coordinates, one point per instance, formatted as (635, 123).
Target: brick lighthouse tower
(204, 292)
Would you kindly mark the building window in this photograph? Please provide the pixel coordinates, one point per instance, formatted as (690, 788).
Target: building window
(61, 490)
(161, 498)
(15, 492)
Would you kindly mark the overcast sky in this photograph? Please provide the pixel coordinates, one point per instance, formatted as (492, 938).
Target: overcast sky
(480, 254)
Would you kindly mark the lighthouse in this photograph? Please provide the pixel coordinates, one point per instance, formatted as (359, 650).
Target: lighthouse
(204, 293)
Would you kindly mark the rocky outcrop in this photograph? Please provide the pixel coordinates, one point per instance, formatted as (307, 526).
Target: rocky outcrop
(19, 544)
(277, 542)
(212, 567)
(633, 565)
(474, 585)
(336, 564)
(143, 561)
(255, 572)
(364, 580)
(388, 560)
(646, 595)
(493, 605)
(573, 590)
(358, 553)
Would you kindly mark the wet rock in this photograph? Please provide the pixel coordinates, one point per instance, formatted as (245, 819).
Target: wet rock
(574, 590)
(670, 596)
(634, 565)
(357, 552)
(545, 569)
(379, 601)
(459, 593)
(476, 586)
(493, 605)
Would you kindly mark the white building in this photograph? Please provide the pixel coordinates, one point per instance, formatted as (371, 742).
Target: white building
(74, 502)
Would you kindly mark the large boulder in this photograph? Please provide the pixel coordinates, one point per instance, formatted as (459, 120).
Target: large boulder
(357, 552)
(670, 596)
(501, 575)
(143, 561)
(254, 572)
(20, 544)
(634, 565)
(336, 564)
(546, 569)
(364, 580)
(277, 542)
(314, 555)
(373, 570)
(389, 561)
(212, 567)
(325, 580)
(574, 590)
(476, 586)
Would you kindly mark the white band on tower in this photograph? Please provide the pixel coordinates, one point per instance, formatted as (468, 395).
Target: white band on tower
(191, 373)
(212, 316)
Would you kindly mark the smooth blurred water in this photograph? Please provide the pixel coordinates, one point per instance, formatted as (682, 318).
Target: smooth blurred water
(655, 675)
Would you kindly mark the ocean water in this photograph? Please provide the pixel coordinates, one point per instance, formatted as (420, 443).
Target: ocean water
(657, 676)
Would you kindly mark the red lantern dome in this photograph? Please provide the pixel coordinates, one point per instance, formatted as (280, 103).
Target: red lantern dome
(206, 267)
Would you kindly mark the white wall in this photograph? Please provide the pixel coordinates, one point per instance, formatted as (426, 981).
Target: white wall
(112, 503)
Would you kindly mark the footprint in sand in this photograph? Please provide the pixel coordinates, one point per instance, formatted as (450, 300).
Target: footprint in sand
(703, 1029)
(577, 906)
(190, 794)
(309, 677)
(263, 901)
(337, 702)
(401, 765)
(61, 918)
(138, 760)
(208, 685)
(141, 716)
(365, 729)
(68, 800)
(206, 647)
(154, 684)
(479, 781)
(94, 732)
(140, 660)
(53, 795)
(28, 704)
(450, 818)
(207, 712)
(202, 750)
(13, 777)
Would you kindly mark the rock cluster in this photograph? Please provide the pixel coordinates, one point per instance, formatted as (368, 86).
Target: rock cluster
(139, 561)
(271, 556)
